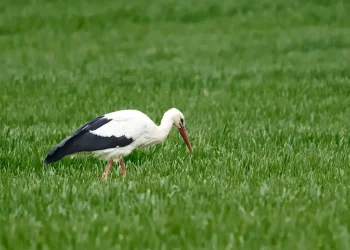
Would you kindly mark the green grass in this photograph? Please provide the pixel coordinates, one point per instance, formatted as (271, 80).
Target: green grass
(265, 90)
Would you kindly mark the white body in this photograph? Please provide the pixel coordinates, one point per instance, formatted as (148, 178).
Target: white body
(132, 124)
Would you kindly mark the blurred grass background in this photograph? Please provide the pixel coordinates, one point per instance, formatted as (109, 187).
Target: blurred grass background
(264, 87)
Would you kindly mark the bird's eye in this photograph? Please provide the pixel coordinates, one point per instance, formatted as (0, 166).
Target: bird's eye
(182, 120)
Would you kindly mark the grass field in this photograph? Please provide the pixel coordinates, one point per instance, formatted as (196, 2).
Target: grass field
(265, 89)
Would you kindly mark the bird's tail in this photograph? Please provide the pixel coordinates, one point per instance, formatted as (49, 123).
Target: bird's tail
(54, 155)
(58, 152)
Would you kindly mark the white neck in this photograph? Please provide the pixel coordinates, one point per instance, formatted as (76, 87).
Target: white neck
(165, 127)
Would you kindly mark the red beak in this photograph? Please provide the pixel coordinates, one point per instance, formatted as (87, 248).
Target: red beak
(183, 133)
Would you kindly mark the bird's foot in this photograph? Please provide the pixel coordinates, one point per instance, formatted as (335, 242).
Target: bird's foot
(124, 173)
(104, 176)
(122, 167)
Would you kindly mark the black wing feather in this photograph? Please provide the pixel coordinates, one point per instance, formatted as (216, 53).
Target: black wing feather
(82, 140)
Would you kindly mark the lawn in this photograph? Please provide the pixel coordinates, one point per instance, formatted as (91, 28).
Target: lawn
(265, 89)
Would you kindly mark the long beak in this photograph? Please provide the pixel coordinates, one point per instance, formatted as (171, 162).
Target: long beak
(183, 133)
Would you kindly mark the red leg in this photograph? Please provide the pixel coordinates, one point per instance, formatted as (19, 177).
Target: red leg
(105, 173)
(122, 167)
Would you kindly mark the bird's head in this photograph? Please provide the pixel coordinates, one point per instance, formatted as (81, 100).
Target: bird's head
(179, 122)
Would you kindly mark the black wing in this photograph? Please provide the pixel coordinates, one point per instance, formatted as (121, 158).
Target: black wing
(82, 140)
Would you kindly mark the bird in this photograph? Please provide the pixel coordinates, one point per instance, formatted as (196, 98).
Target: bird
(114, 135)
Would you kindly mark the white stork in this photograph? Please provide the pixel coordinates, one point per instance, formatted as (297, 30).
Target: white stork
(115, 135)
